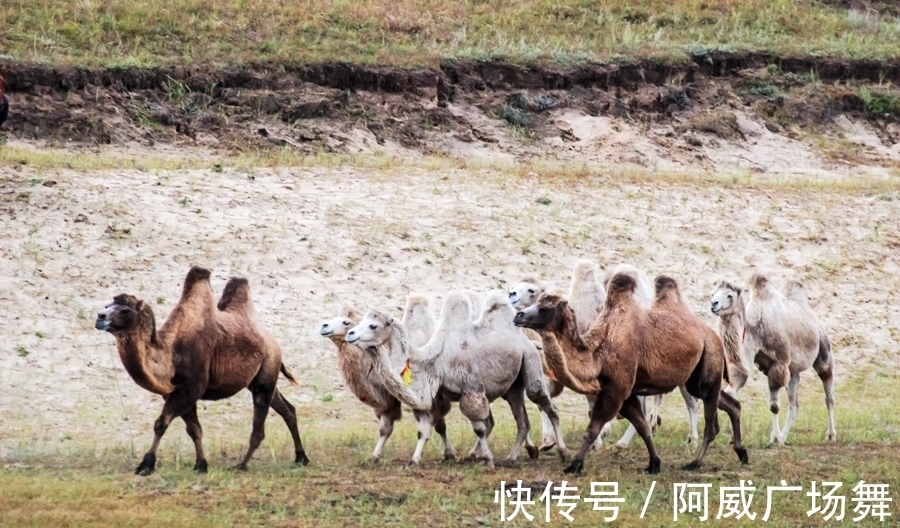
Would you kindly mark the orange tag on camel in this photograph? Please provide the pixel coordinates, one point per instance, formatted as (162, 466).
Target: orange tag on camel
(553, 375)
(406, 374)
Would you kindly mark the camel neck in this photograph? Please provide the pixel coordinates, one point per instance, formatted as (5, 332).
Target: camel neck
(145, 359)
(393, 381)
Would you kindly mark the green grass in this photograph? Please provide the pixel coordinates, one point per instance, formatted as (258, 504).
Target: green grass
(92, 484)
(420, 33)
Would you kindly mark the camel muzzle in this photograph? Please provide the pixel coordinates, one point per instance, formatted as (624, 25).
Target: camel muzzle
(102, 323)
(519, 319)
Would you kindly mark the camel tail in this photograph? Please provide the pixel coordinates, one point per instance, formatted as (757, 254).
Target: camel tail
(290, 377)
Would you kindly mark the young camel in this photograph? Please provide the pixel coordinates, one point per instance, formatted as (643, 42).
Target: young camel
(470, 362)
(630, 352)
(204, 351)
(356, 366)
(782, 335)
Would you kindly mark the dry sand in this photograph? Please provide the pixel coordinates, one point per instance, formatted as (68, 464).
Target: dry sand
(311, 239)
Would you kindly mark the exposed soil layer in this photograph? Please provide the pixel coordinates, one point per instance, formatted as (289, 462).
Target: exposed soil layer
(346, 108)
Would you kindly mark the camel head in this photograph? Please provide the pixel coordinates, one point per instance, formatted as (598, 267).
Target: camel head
(373, 330)
(526, 293)
(545, 313)
(725, 299)
(337, 328)
(126, 313)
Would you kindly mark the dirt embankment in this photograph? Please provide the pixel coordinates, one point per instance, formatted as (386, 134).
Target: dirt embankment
(495, 109)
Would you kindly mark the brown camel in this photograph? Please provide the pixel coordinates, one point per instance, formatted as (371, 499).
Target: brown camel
(632, 352)
(204, 351)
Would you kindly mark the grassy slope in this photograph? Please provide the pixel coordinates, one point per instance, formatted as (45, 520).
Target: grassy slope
(421, 32)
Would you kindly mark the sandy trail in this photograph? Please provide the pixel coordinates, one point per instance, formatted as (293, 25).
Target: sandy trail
(311, 239)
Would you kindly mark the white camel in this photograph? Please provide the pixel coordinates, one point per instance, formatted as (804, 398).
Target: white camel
(781, 334)
(472, 362)
(356, 366)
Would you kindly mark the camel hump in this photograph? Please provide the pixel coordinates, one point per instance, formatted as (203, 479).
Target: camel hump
(758, 281)
(795, 291)
(415, 301)
(621, 283)
(666, 289)
(236, 296)
(350, 312)
(194, 276)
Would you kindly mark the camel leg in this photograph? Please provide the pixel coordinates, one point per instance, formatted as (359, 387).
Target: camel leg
(651, 419)
(516, 400)
(793, 404)
(824, 367)
(387, 417)
(475, 407)
(710, 429)
(423, 424)
(732, 406)
(262, 399)
(607, 406)
(440, 409)
(541, 395)
(287, 412)
(177, 404)
(548, 432)
(778, 378)
(691, 403)
(192, 425)
(632, 411)
(607, 427)
(478, 450)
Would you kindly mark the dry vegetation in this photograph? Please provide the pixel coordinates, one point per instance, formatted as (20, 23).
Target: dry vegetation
(310, 237)
(420, 33)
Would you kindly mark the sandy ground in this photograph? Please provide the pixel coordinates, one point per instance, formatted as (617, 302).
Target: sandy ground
(311, 239)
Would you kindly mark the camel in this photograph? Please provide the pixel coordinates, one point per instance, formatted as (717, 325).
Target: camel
(630, 352)
(356, 366)
(782, 335)
(586, 297)
(204, 351)
(643, 296)
(466, 361)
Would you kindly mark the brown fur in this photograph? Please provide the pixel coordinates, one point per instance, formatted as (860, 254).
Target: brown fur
(631, 352)
(204, 351)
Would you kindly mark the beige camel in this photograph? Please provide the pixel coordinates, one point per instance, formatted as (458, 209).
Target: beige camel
(204, 351)
(356, 366)
(471, 362)
(630, 351)
(782, 335)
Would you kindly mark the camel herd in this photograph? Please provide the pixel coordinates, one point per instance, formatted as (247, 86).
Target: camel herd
(621, 342)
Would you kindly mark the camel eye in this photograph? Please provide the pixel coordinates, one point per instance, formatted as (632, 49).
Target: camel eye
(543, 310)
(530, 290)
(373, 327)
(730, 296)
(346, 323)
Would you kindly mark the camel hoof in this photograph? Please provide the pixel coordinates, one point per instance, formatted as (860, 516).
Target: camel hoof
(450, 455)
(831, 436)
(621, 445)
(506, 463)
(489, 465)
(742, 455)
(411, 465)
(653, 468)
(239, 467)
(301, 459)
(147, 465)
(533, 452)
(693, 466)
(574, 468)
(200, 466)
(547, 446)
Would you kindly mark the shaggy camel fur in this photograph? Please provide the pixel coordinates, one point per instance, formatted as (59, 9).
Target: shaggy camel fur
(356, 366)
(470, 362)
(782, 335)
(643, 296)
(204, 351)
(629, 352)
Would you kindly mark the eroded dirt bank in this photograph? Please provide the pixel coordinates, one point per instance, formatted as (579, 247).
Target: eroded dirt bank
(718, 111)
